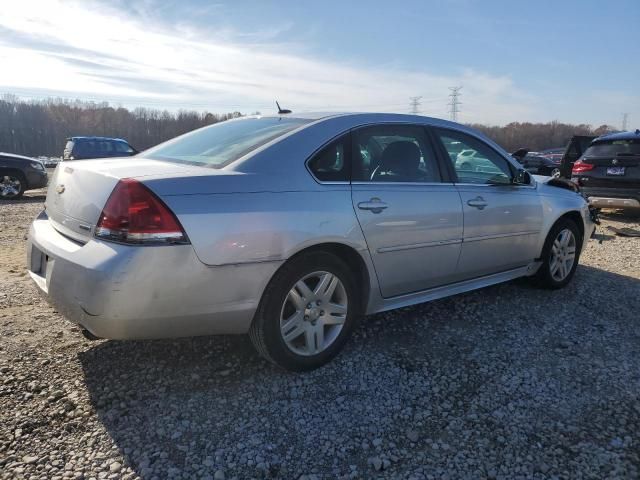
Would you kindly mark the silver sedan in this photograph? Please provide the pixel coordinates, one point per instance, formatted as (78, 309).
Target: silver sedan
(290, 228)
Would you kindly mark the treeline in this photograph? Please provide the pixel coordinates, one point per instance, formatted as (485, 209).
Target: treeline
(41, 127)
(538, 136)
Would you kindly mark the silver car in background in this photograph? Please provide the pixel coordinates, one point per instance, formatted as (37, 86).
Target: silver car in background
(290, 228)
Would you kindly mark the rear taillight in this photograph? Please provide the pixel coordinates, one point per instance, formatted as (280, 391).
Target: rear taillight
(580, 167)
(134, 214)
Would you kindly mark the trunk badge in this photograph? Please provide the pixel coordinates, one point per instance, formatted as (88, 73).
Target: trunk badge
(60, 188)
(614, 161)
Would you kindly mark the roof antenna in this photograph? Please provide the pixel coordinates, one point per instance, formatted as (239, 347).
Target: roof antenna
(280, 110)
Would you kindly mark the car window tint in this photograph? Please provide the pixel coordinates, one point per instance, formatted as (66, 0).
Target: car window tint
(330, 163)
(474, 161)
(393, 153)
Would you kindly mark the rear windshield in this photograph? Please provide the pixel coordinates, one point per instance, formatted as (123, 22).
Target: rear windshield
(614, 148)
(220, 144)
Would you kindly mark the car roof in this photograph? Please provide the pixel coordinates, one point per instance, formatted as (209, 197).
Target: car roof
(364, 118)
(619, 136)
(18, 157)
(97, 138)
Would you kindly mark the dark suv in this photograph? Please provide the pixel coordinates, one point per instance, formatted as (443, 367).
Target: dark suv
(609, 171)
(19, 174)
(79, 148)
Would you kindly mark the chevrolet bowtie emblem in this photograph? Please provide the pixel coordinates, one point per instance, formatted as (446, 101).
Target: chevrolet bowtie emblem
(60, 188)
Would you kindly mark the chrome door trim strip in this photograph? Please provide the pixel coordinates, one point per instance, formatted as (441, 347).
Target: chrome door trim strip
(500, 235)
(419, 245)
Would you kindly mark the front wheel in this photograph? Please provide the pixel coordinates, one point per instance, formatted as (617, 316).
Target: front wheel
(12, 186)
(307, 312)
(560, 255)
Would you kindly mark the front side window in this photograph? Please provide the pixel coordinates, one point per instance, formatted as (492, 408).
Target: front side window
(222, 143)
(473, 161)
(330, 164)
(393, 153)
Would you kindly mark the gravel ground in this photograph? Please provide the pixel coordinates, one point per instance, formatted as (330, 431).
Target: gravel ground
(507, 382)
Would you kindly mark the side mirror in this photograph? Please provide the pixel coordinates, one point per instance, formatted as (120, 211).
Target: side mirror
(522, 178)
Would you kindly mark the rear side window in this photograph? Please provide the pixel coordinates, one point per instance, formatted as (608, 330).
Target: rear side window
(331, 164)
(220, 144)
(84, 148)
(393, 153)
(122, 147)
(614, 148)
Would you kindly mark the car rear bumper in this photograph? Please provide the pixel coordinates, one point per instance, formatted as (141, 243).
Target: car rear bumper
(142, 292)
(613, 197)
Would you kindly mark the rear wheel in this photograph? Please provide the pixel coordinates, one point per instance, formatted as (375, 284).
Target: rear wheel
(560, 255)
(307, 312)
(12, 185)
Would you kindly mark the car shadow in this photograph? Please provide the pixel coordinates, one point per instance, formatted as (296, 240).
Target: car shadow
(622, 216)
(30, 198)
(151, 396)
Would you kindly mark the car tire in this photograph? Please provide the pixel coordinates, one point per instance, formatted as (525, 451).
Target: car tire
(12, 185)
(563, 241)
(291, 327)
(555, 172)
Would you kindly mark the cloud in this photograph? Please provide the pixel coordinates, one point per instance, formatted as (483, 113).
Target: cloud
(90, 50)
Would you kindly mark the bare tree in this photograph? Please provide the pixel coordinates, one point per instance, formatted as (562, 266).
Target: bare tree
(41, 127)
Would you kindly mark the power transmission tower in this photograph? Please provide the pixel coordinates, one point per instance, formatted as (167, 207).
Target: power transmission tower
(415, 105)
(455, 102)
(625, 120)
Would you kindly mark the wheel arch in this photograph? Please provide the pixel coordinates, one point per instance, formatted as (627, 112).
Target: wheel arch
(352, 258)
(576, 217)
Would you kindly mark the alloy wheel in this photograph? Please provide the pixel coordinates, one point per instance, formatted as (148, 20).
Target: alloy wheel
(313, 313)
(10, 186)
(563, 255)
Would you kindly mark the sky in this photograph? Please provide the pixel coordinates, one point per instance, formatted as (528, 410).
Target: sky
(567, 60)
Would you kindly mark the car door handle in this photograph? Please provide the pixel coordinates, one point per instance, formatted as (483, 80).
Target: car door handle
(477, 202)
(375, 205)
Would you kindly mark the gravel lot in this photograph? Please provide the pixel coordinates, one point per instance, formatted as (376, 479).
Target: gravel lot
(507, 382)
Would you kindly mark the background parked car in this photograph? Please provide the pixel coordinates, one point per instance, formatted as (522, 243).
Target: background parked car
(19, 174)
(78, 148)
(51, 162)
(539, 164)
(609, 171)
(554, 154)
(577, 146)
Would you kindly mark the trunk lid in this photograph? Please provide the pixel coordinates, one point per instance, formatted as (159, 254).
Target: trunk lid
(79, 190)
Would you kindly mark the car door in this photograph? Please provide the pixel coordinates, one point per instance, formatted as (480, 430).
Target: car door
(408, 209)
(502, 220)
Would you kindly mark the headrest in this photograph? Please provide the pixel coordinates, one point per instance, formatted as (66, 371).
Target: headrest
(402, 158)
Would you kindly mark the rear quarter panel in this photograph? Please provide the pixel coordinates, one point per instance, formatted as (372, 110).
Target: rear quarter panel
(247, 227)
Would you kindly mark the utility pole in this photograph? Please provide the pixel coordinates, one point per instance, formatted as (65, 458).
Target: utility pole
(455, 102)
(415, 105)
(625, 120)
